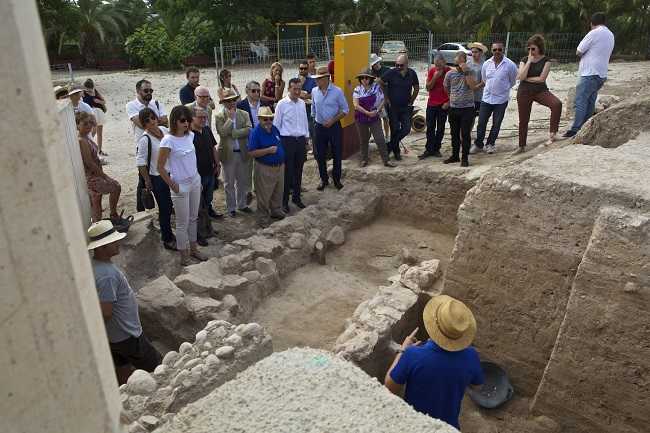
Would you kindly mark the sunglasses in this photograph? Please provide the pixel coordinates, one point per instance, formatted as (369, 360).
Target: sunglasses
(399, 65)
(494, 50)
(183, 120)
(147, 90)
(303, 68)
(532, 49)
(266, 119)
(254, 90)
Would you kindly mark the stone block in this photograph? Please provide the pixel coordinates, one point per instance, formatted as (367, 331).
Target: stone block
(336, 236)
(163, 309)
(141, 383)
(265, 247)
(203, 309)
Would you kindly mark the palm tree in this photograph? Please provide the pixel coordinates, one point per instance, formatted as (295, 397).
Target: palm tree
(97, 21)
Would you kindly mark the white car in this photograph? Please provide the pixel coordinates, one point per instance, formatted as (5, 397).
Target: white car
(450, 49)
(391, 49)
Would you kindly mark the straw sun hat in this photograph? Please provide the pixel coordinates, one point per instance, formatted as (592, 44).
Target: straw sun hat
(265, 112)
(321, 72)
(449, 323)
(228, 95)
(478, 45)
(103, 233)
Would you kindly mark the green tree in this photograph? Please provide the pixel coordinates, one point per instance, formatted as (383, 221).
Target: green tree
(97, 21)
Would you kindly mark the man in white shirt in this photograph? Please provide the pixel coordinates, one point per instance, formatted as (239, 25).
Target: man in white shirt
(499, 74)
(144, 99)
(594, 51)
(291, 121)
(75, 94)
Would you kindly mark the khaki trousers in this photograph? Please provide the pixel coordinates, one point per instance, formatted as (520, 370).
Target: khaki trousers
(269, 186)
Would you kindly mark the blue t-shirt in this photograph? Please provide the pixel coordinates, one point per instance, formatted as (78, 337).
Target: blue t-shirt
(309, 84)
(436, 379)
(259, 138)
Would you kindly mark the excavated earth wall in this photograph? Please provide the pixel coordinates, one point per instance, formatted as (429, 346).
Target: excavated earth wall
(523, 232)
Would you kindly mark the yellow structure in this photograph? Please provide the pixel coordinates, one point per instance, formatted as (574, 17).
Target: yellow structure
(351, 56)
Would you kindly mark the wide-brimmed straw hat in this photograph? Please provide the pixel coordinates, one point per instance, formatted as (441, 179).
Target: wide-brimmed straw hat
(478, 45)
(449, 323)
(75, 89)
(374, 59)
(365, 73)
(103, 233)
(321, 72)
(60, 91)
(265, 112)
(228, 95)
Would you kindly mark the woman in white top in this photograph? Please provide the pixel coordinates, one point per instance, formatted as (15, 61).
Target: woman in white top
(147, 161)
(178, 155)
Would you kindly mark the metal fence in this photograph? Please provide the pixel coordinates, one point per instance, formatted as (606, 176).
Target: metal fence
(251, 60)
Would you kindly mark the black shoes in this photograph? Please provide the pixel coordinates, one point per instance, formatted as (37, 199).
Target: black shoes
(298, 203)
(202, 242)
(214, 215)
(170, 245)
(277, 216)
(322, 186)
(398, 157)
(451, 160)
(285, 208)
(338, 185)
(246, 210)
(436, 154)
(464, 163)
(425, 155)
(232, 214)
(569, 134)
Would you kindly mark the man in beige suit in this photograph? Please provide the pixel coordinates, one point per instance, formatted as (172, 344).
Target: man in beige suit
(233, 126)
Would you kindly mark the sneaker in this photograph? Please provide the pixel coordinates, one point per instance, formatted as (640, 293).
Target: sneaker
(475, 149)
(570, 133)
(490, 149)
(451, 160)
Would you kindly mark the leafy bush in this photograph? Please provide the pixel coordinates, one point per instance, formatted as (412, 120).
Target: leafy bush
(150, 44)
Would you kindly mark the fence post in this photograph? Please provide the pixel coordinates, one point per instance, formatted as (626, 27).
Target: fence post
(216, 60)
(223, 65)
(327, 44)
(430, 49)
(70, 72)
(507, 44)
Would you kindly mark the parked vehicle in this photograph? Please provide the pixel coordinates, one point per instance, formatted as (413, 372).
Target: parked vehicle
(391, 49)
(450, 49)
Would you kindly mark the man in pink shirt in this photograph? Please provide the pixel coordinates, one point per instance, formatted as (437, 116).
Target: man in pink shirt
(437, 106)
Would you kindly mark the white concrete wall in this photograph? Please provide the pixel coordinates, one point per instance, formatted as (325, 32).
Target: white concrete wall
(56, 373)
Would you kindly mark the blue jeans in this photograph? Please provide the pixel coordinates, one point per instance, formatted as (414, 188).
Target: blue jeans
(207, 191)
(585, 104)
(497, 111)
(331, 137)
(400, 126)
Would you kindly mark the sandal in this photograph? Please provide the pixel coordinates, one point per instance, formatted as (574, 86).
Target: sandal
(122, 224)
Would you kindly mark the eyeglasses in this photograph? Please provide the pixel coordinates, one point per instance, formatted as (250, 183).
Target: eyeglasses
(494, 50)
(303, 68)
(399, 65)
(254, 90)
(147, 90)
(532, 49)
(183, 120)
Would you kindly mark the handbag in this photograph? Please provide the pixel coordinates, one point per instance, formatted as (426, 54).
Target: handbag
(146, 195)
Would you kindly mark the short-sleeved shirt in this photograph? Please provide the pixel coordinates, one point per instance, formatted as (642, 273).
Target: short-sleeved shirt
(460, 94)
(534, 70)
(596, 48)
(437, 94)
(476, 68)
(83, 107)
(142, 153)
(399, 87)
(260, 138)
(436, 379)
(112, 287)
(182, 157)
(204, 144)
(133, 109)
(186, 94)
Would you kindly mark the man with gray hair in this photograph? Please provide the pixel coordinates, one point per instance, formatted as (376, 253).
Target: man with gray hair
(207, 164)
(401, 87)
(251, 103)
(204, 101)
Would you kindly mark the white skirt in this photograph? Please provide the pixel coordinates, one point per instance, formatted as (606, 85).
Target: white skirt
(100, 116)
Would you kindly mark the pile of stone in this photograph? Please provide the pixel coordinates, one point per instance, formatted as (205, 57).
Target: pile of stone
(231, 286)
(219, 352)
(369, 339)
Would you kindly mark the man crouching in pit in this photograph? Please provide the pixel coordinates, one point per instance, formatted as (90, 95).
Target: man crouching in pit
(129, 346)
(436, 372)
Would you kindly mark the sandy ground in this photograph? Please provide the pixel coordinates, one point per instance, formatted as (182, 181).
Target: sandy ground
(329, 294)
(119, 88)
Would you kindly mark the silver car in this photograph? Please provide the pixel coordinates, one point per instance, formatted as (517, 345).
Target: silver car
(450, 49)
(391, 49)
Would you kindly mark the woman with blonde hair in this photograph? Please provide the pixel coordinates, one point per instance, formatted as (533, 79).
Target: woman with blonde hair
(273, 88)
(533, 71)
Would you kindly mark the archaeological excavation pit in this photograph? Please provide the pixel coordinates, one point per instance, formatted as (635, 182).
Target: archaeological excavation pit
(530, 247)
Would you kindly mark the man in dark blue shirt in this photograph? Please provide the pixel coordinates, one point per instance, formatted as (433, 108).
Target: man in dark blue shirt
(186, 94)
(437, 372)
(264, 145)
(401, 87)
